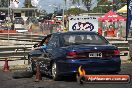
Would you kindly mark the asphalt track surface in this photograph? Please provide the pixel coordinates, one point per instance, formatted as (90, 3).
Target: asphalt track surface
(6, 81)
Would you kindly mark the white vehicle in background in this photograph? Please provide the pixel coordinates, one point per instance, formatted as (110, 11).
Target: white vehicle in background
(19, 24)
(59, 18)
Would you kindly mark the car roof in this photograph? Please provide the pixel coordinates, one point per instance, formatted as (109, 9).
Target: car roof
(75, 32)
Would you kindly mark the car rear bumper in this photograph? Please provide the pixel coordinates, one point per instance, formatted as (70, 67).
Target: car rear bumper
(68, 67)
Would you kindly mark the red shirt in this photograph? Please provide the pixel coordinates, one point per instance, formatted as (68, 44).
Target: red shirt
(100, 31)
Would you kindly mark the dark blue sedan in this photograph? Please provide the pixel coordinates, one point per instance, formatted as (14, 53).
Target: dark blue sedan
(67, 51)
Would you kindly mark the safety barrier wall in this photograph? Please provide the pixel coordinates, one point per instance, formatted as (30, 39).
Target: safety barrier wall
(18, 45)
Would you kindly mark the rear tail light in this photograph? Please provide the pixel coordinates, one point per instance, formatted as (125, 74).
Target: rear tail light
(116, 52)
(72, 53)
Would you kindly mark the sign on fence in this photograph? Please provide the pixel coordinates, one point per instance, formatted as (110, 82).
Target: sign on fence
(87, 23)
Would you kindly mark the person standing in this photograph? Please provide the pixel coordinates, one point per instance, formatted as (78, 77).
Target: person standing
(100, 31)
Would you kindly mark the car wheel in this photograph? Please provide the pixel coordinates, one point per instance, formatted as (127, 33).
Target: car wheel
(31, 67)
(54, 72)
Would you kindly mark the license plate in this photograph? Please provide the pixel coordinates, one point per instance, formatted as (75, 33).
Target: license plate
(95, 54)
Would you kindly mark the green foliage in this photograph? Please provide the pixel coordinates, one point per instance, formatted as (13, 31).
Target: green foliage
(104, 7)
(117, 4)
(75, 11)
(4, 3)
(87, 4)
(27, 4)
(120, 3)
(41, 13)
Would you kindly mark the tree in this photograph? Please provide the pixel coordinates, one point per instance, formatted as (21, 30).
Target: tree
(119, 3)
(75, 11)
(116, 4)
(4, 3)
(108, 5)
(42, 12)
(73, 1)
(87, 3)
(27, 4)
(103, 7)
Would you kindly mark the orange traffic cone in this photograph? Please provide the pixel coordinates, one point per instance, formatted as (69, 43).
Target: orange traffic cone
(6, 67)
(38, 74)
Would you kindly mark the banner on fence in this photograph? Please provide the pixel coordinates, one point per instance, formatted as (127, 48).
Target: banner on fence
(87, 23)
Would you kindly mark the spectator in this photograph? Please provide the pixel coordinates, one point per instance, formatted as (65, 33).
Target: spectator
(112, 31)
(107, 31)
(42, 44)
(119, 31)
(100, 31)
(12, 26)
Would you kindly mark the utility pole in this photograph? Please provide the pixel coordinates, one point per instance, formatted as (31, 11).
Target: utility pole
(63, 17)
(27, 3)
(8, 18)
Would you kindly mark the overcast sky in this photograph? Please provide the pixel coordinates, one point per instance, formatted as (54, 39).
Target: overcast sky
(48, 5)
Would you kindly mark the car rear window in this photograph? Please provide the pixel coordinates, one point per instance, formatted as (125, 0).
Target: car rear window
(84, 39)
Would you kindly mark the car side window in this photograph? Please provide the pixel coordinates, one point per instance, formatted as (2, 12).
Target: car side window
(54, 42)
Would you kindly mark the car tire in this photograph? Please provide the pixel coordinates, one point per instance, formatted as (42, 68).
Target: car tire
(54, 72)
(33, 66)
(22, 74)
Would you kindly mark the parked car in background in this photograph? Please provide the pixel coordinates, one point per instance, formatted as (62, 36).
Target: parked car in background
(31, 20)
(21, 30)
(67, 51)
(18, 20)
(18, 23)
(41, 18)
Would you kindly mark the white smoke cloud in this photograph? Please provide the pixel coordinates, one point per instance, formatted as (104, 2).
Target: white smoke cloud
(34, 2)
(14, 4)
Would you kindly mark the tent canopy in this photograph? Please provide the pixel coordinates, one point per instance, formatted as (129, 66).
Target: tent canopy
(110, 17)
(123, 9)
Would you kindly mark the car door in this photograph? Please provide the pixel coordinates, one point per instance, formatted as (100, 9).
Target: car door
(52, 48)
(36, 52)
